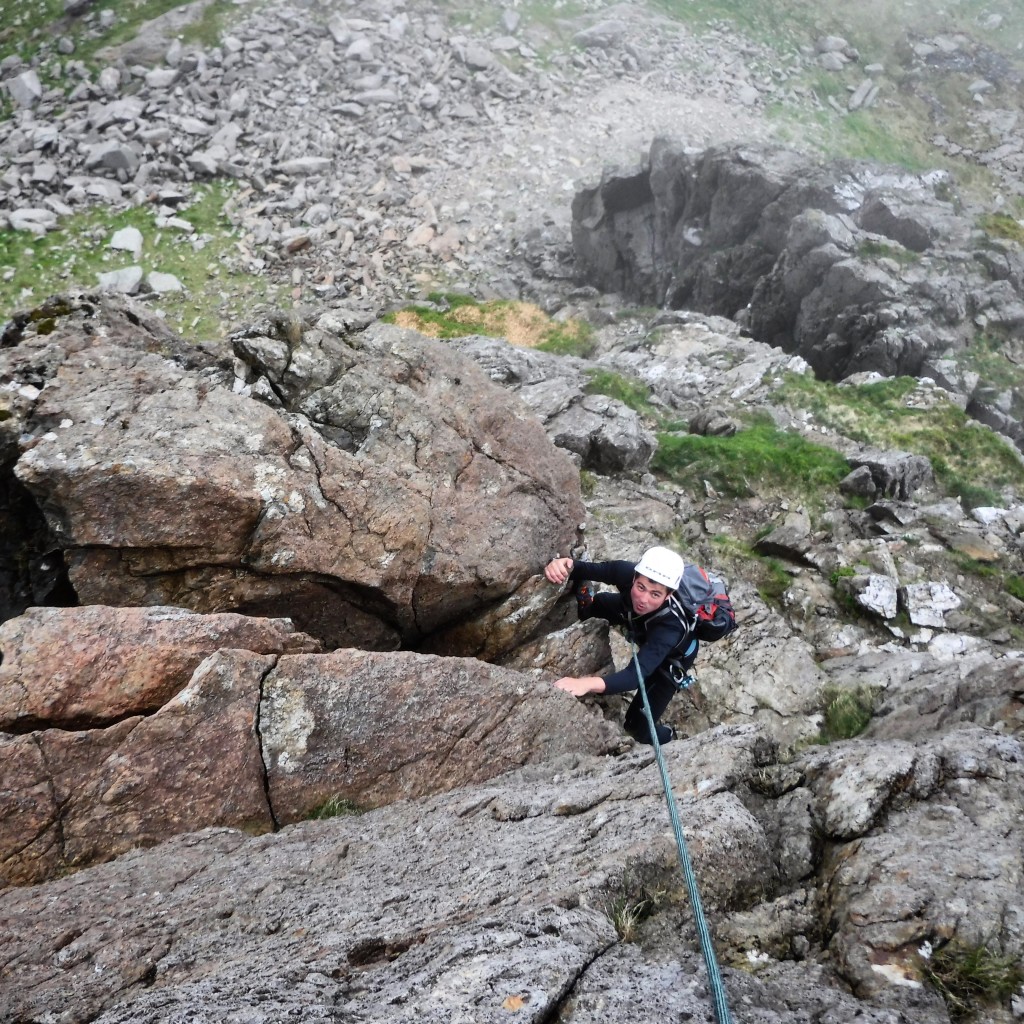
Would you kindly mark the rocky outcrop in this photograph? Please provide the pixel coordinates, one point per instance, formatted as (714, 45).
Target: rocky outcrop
(256, 740)
(602, 433)
(788, 856)
(853, 267)
(370, 484)
(77, 668)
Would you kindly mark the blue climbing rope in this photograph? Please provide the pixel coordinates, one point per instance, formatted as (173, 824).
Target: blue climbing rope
(721, 1007)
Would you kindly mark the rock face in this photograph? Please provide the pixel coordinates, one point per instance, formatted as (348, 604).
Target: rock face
(359, 914)
(602, 433)
(74, 668)
(853, 267)
(370, 484)
(255, 740)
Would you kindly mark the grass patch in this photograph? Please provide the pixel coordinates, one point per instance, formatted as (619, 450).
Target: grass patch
(970, 461)
(70, 258)
(782, 26)
(842, 594)
(874, 249)
(1014, 586)
(36, 25)
(874, 135)
(767, 574)
(982, 570)
(758, 460)
(627, 390)
(772, 582)
(335, 807)
(633, 897)
(1001, 225)
(846, 712)
(971, 977)
(992, 359)
(27, 25)
(522, 323)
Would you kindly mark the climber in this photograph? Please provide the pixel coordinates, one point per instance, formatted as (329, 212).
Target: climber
(661, 629)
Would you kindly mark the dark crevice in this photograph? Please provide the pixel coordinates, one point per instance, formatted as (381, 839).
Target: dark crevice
(32, 567)
(58, 816)
(369, 952)
(259, 743)
(553, 1015)
(79, 723)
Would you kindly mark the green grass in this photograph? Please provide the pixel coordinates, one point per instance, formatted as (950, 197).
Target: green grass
(29, 25)
(70, 258)
(991, 358)
(575, 339)
(335, 807)
(846, 712)
(765, 573)
(969, 460)
(758, 460)
(628, 390)
(872, 249)
(971, 977)
(1014, 585)
(1001, 225)
(23, 26)
(773, 581)
(778, 25)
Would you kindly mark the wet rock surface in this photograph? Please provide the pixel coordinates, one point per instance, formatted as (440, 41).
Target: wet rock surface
(383, 491)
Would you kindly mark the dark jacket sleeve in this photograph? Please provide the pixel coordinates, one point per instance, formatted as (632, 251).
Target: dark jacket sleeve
(662, 638)
(616, 574)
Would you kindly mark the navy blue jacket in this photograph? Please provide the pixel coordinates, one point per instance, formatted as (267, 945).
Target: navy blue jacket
(660, 636)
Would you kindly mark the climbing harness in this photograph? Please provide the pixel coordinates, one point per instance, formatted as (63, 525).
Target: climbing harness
(721, 1007)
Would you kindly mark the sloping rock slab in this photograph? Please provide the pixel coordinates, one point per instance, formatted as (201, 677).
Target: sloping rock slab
(482, 904)
(374, 728)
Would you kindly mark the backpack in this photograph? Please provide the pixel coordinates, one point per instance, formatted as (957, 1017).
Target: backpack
(703, 601)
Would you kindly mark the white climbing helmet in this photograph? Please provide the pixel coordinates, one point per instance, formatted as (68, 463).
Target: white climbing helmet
(662, 566)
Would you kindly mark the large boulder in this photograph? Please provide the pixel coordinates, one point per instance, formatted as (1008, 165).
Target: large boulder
(254, 740)
(373, 728)
(370, 484)
(73, 668)
(71, 798)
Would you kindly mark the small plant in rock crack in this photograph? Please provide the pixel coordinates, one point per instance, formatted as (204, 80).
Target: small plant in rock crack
(846, 711)
(335, 807)
(971, 976)
(633, 897)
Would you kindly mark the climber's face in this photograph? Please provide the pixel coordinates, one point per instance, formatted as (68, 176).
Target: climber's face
(646, 595)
